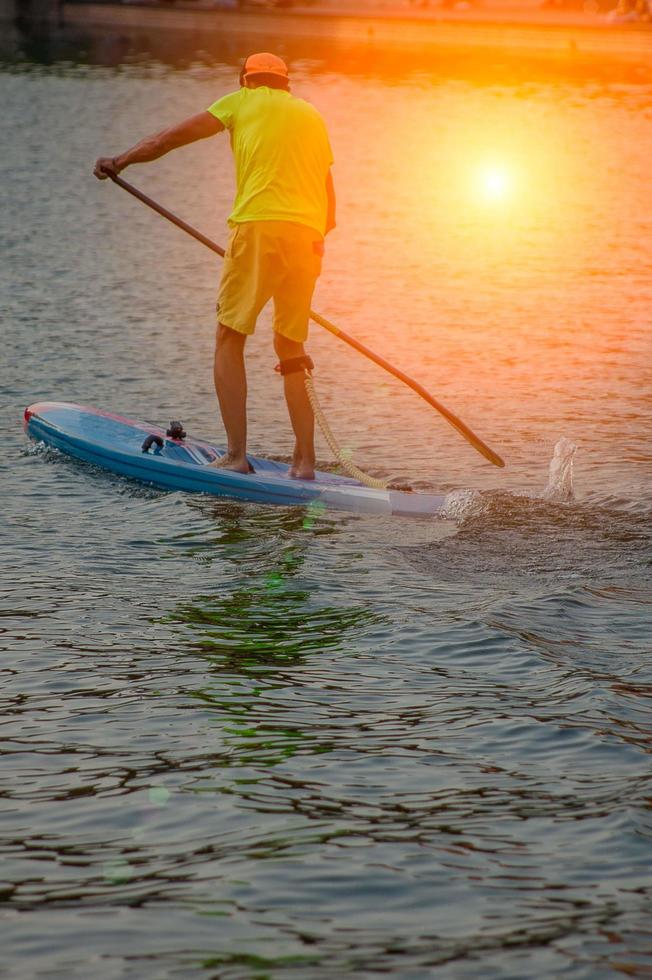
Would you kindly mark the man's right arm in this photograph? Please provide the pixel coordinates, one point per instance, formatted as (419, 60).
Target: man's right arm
(197, 127)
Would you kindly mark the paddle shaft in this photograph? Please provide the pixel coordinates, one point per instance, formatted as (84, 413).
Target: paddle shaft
(456, 422)
(151, 203)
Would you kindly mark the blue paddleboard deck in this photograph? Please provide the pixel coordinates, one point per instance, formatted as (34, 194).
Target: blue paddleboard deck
(115, 443)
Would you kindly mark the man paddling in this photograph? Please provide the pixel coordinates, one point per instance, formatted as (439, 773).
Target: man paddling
(284, 206)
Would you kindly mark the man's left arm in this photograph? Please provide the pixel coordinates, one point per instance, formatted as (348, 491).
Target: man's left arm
(197, 127)
(330, 206)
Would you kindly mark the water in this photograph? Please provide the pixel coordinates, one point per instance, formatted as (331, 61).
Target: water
(252, 742)
(560, 474)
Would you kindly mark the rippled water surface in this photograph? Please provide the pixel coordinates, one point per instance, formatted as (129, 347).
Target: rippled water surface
(253, 742)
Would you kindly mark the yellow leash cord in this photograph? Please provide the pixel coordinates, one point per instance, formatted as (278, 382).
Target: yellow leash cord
(346, 464)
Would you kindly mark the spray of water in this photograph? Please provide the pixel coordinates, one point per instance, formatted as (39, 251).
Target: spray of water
(458, 505)
(560, 474)
(41, 449)
(461, 505)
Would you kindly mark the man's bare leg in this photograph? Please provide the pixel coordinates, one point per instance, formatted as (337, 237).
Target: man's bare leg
(300, 411)
(231, 388)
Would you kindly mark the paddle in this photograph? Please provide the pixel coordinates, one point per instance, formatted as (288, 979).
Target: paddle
(461, 427)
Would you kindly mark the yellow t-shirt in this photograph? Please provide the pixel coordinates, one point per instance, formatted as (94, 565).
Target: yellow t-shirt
(282, 156)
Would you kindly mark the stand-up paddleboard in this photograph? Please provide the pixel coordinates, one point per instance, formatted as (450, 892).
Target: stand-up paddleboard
(144, 452)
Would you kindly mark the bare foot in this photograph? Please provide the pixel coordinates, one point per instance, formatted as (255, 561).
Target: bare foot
(235, 464)
(301, 472)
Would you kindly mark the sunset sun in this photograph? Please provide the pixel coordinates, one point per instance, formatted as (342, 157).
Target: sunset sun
(494, 183)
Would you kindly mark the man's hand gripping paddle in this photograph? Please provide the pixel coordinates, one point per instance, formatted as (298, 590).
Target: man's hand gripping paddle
(461, 427)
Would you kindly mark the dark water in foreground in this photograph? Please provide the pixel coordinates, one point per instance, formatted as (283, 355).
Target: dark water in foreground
(246, 742)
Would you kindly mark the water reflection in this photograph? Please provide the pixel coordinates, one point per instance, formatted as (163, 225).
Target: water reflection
(256, 636)
(268, 626)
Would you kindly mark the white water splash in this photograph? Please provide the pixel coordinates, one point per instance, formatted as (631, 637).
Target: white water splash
(560, 474)
(458, 504)
(40, 449)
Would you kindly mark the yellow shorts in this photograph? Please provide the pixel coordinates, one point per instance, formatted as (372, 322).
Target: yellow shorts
(265, 260)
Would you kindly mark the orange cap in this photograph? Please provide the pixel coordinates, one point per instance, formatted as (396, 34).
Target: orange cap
(264, 64)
